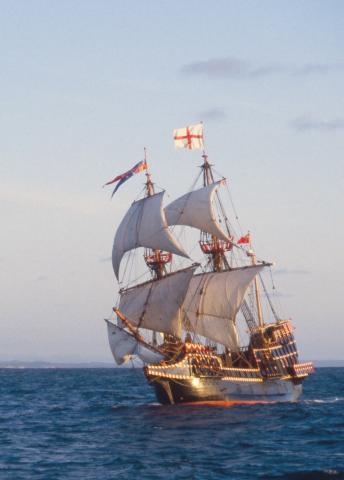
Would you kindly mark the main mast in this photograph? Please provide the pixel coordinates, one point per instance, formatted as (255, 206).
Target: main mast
(215, 247)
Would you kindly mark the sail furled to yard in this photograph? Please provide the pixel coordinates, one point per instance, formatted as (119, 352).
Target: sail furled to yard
(212, 303)
(156, 305)
(144, 225)
(196, 209)
(124, 345)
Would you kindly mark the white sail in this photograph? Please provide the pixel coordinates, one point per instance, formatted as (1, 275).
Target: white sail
(196, 209)
(124, 345)
(156, 304)
(144, 225)
(148, 355)
(213, 301)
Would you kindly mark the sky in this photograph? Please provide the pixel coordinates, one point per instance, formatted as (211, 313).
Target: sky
(86, 85)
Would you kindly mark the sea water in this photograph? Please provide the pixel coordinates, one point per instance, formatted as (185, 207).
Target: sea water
(105, 424)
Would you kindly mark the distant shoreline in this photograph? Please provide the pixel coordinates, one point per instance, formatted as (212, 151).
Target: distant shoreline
(15, 364)
(47, 365)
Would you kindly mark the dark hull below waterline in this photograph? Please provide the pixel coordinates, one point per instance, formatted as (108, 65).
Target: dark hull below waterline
(212, 390)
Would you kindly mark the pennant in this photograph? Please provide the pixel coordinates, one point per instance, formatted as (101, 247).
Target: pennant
(139, 167)
(245, 239)
(190, 137)
(122, 180)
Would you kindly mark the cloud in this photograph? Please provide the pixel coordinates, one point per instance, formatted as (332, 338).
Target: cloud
(231, 67)
(278, 295)
(317, 68)
(41, 278)
(286, 271)
(104, 259)
(218, 67)
(213, 115)
(303, 124)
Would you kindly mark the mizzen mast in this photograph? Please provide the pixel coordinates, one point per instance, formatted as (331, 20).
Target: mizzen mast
(251, 253)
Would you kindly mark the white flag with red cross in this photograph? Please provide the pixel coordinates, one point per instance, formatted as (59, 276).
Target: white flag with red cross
(190, 137)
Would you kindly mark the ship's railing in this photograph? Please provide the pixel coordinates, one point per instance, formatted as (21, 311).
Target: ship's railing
(303, 369)
(241, 372)
(215, 246)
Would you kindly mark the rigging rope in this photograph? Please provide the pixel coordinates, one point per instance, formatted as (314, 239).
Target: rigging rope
(231, 201)
(276, 295)
(269, 299)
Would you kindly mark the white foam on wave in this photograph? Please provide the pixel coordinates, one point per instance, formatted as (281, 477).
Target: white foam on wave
(324, 400)
(137, 405)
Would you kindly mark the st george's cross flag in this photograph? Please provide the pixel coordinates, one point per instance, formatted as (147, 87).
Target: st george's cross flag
(190, 137)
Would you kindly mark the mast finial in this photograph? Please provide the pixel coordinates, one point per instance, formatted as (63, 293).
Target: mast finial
(145, 157)
(149, 183)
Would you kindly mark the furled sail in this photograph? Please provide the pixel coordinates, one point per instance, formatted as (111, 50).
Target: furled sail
(196, 209)
(144, 225)
(156, 304)
(124, 345)
(212, 303)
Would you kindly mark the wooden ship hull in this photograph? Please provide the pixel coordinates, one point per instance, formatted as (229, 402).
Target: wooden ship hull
(228, 385)
(266, 371)
(222, 390)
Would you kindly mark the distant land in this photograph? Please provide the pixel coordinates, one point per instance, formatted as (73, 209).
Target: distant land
(44, 364)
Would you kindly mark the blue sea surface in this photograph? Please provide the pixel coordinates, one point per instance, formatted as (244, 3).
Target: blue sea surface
(105, 424)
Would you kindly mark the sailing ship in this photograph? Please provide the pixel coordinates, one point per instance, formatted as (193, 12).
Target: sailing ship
(183, 323)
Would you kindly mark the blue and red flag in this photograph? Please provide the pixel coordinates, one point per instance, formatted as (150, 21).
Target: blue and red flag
(139, 167)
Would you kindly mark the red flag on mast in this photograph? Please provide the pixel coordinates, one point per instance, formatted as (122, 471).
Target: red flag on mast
(245, 239)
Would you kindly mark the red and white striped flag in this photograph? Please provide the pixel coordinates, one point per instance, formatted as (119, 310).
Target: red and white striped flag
(190, 137)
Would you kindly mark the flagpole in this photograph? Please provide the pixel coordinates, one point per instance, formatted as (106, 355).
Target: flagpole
(149, 184)
(207, 175)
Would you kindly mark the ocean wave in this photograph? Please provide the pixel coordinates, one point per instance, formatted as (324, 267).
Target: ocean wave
(106, 424)
(324, 400)
(307, 475)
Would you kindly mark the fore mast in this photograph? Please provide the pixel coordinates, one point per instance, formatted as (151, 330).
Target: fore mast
(156, 260)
